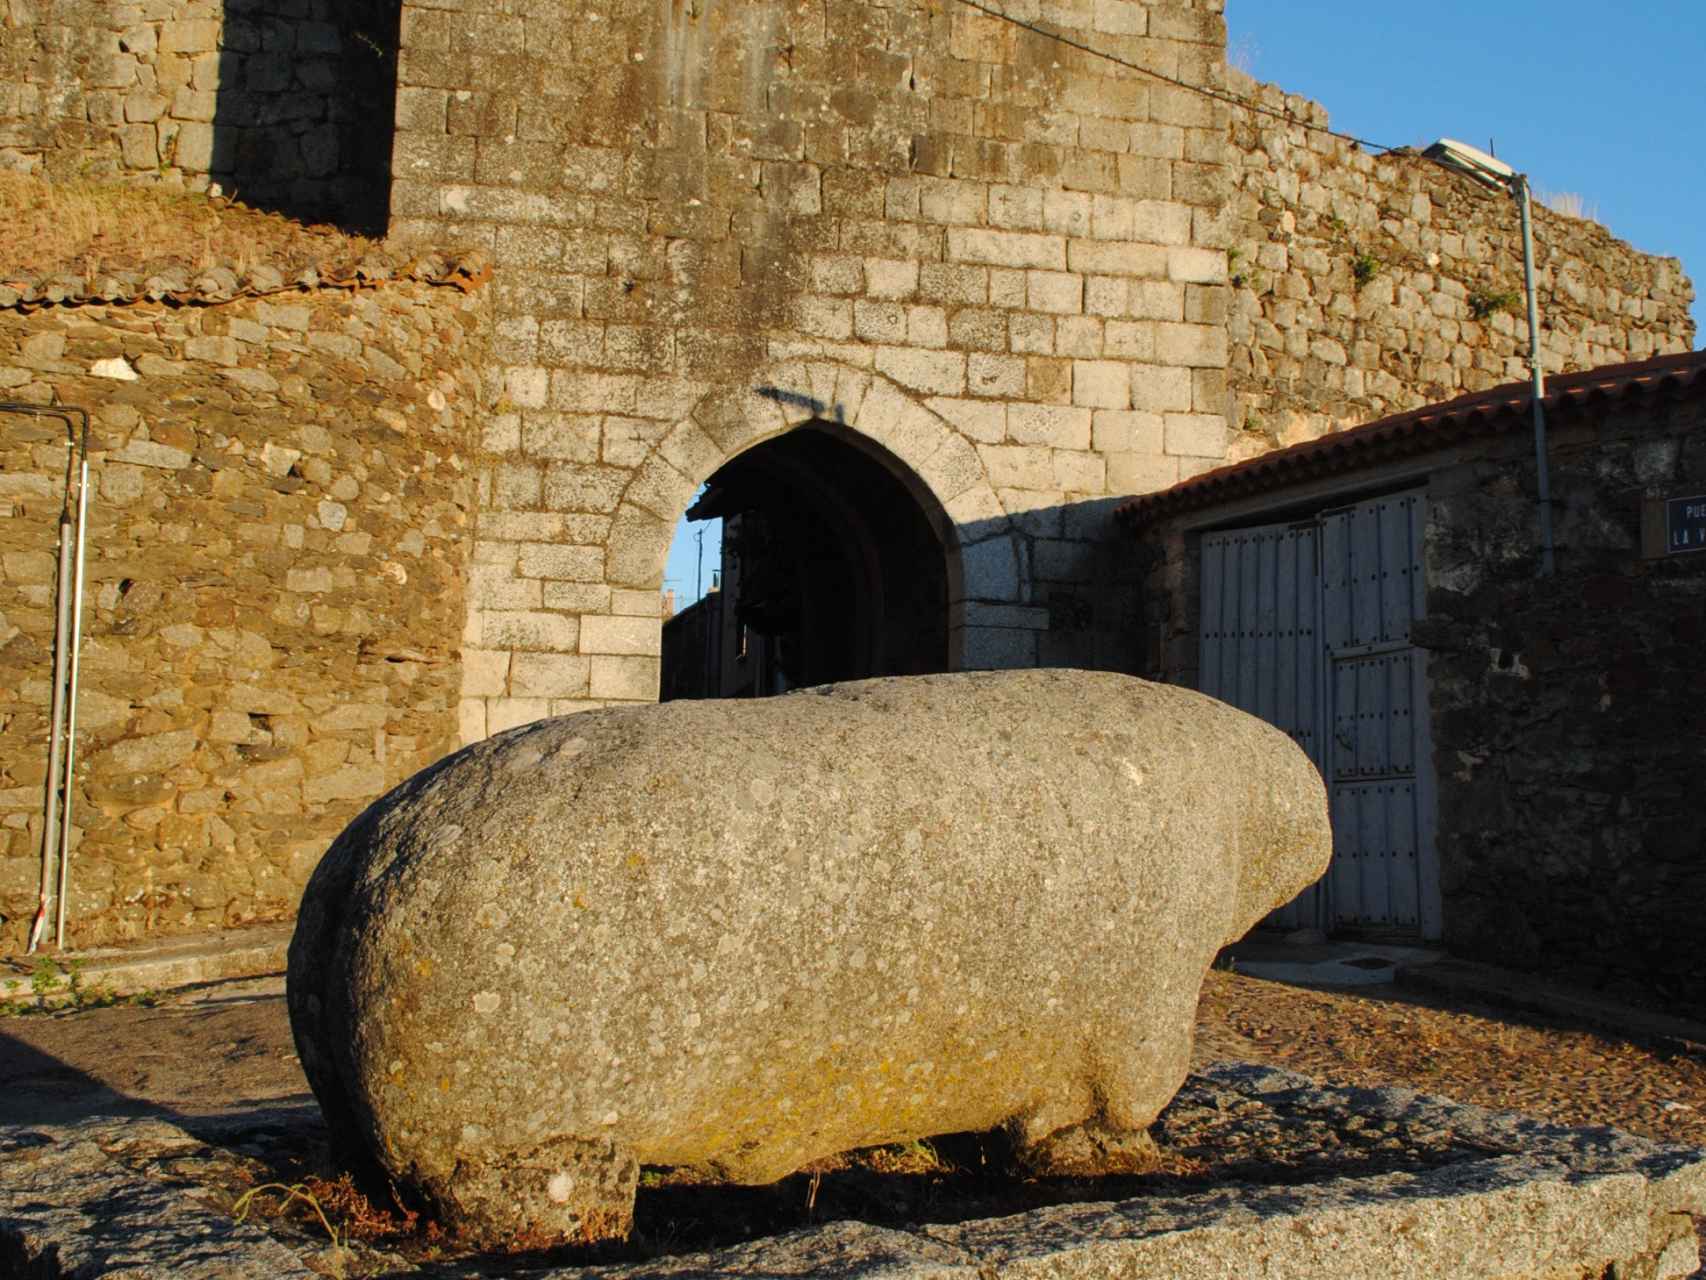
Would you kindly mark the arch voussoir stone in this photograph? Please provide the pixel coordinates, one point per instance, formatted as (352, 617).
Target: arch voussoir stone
(790, 387)
(638, 546)
(978, 508)
(952, 469)
(660, 487)
(851, 384)
(690, 451)
(824, 375)
(901, 425)
(737, 418)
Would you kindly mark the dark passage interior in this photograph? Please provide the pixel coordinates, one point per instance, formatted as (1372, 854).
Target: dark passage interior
(831, 570)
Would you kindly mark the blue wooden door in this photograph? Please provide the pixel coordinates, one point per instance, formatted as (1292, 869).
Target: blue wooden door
(1261, 647)
(1307, 625)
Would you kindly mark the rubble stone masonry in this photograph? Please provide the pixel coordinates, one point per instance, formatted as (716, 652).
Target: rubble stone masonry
(1567, 710)
(1563, 711)
(277, 544)
(1365, 285)
(283, 102)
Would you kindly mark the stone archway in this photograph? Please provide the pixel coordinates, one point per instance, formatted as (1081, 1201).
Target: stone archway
(985, 567)
(555, 628)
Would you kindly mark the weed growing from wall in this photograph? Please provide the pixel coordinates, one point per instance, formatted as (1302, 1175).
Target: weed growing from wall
(1484, 302)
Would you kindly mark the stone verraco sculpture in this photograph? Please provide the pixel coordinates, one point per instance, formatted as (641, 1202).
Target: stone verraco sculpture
(741, 936)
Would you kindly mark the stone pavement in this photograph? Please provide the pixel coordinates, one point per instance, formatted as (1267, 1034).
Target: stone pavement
(1324, 964)
(1502, 1197)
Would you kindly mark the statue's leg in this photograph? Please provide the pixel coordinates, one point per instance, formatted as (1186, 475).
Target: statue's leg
(1070, 1102)
(567, 1189)
(1090, 1149)
(1134, 1071)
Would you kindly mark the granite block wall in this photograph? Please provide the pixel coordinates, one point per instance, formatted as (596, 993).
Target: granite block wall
(280, 506)
(997, 257)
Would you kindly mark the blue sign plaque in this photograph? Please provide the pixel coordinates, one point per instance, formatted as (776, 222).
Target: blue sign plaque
(1685, 525)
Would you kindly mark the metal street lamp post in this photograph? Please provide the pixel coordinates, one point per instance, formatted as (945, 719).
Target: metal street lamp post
(1495, 173)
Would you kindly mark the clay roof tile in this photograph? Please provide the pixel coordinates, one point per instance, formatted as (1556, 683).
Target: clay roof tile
(1502, 408)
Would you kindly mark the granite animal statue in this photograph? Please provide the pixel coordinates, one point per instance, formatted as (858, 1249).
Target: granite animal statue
(740, 936)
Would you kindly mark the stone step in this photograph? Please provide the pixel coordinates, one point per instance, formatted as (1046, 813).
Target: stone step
(78, 977)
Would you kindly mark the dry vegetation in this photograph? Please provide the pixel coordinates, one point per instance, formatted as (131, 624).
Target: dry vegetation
(1375, 1036)
(301, 1192)
(89, 228)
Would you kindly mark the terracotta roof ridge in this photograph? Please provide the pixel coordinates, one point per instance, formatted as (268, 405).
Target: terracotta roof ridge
(1417, 430)
(178, 284)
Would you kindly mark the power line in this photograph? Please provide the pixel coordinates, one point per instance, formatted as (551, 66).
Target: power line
(1203, 90)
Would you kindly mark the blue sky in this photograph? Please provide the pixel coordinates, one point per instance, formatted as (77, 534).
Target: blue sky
(686, 566)
(1606, 104)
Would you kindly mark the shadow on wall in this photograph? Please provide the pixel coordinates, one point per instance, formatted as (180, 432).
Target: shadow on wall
(306, 93)
(1051, 587)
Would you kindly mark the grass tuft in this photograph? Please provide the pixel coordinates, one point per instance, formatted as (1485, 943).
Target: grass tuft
(1570, 204)
(291, 1193)
(87, 228)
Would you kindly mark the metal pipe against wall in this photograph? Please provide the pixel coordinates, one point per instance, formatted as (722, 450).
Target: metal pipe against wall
(67, 651)
(56, 733)
(1538, 373)
(71, 704)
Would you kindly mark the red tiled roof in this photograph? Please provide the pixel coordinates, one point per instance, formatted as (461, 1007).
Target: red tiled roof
(1505, 408)
(175, 283)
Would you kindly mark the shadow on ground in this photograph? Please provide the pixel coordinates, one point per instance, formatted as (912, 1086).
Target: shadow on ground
(215, 1053)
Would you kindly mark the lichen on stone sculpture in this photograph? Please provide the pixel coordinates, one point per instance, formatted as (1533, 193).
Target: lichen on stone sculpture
(743, 936)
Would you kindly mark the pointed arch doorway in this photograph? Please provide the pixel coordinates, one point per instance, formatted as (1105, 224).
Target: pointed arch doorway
(835, 566)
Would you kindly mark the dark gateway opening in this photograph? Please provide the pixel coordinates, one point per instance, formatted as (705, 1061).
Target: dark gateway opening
(831, 570)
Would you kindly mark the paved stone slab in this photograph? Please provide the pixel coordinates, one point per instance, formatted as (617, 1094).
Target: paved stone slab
(159, 966)
(69, 1208)
(1519, 1199)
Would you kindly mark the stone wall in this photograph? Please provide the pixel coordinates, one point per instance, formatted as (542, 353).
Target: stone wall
(1002, 259)
(1368, 285)
(1565, 711)
(280, 507)
(1568, 711)
(995, 256)
(285, 103)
